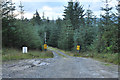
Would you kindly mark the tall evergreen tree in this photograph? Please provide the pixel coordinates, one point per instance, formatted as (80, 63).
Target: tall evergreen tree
(108, 31)
(37, 17)
(106, 18)
(89, 17)
(8, 22)
(118, 8)
(7, 9)
(78, 16)
(69, 14)
(21, 11)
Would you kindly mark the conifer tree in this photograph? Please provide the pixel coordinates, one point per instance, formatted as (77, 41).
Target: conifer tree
(37, 18)
(107, 41)
(78, 15)
(89, 17)
(8, 22)
(21, 11)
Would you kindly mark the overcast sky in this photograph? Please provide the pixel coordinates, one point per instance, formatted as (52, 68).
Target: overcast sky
(55, 8)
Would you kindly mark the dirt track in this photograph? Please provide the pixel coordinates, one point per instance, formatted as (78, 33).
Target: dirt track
(59, 67)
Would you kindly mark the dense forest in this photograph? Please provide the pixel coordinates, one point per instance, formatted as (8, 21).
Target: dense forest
(79, 26)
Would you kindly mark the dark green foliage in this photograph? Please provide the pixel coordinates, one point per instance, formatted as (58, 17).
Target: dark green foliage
(7, 9)
(77, 27)
(107, 36)
(23, 34)
(53, 39)
(27, 35)
(84, 36)
(89, 19)
(8, 19)
(74, 14)
(18, 33)
(37, 18)
(118, 8)
(73, 19)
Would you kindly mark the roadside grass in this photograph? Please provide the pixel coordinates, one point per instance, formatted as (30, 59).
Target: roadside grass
(0, 56)
(0, 51)
(104, 57)
(55, 49)
(61, 54)
(66, 52)
(106, 64)
(107, 57)
(0, 59)
(14, 54)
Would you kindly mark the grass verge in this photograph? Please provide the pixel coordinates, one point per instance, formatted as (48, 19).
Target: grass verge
(14, 54)
(55, 49)
(104, 57)
(0, 56)
(60, 54)
(66, 52)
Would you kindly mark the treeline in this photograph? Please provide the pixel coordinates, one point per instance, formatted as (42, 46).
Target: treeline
(18, 32)
(77, 27)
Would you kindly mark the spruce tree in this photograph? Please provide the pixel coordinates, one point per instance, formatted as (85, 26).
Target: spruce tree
(89, 17)
(37, 17)
(21, 11)
(69, 13)
(8, 19)
(78, 15)
(108, 30)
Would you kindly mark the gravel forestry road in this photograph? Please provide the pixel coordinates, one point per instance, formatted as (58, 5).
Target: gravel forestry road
(59, 67)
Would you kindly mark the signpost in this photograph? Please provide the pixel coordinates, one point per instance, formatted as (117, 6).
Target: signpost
(45, 47)
(78, 48)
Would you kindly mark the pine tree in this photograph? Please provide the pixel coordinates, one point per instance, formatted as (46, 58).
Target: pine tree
(37, 17)
(78, 15)
(8, 19)
(108, 31)
(89, 17)
(118, 8)
(74, 13)
(69, 13)
(54, 34)
(106, 19)
(7, 9)
(21, 11)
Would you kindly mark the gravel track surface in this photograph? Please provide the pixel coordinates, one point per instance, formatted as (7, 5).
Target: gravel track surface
(59, 67)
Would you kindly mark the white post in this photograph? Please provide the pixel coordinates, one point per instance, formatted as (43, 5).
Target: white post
(24, 49)
(45, 37)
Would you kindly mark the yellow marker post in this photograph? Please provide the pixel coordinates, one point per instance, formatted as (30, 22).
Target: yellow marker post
(45, 46)
(78, 48)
